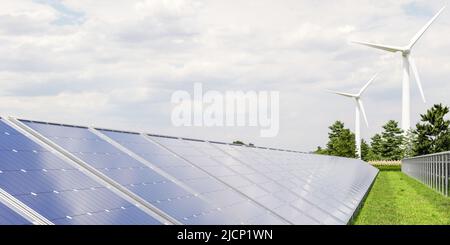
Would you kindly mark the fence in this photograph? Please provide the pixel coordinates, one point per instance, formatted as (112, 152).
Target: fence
(432, 170)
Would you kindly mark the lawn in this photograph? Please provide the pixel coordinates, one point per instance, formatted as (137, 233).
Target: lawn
(396, 199)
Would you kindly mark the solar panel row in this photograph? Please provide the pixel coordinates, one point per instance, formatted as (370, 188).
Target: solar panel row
(77, 175)
(56, 189)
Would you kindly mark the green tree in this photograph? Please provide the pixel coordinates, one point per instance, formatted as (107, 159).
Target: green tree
(432, 134)
(392, 141)
(365, 150)
(321, 151)
(238, 142)
(408, 143)
(341, 141)
(376, 148)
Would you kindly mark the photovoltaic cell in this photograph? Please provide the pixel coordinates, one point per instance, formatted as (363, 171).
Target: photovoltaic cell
(9, 217)
(235, 206)
(57, 190)
(137, 177)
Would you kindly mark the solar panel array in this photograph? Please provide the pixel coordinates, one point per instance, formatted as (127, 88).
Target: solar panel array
(68, 174)
(57, 190)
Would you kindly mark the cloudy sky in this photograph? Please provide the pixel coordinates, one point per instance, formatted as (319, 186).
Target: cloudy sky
(116, 63)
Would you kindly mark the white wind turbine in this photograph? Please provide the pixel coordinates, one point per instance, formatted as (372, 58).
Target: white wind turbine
(408, 63)
(359, 109)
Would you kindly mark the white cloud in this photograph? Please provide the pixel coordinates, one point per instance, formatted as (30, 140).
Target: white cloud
(119, 66)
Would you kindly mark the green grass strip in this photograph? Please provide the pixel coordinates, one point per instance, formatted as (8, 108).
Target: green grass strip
(396, 199)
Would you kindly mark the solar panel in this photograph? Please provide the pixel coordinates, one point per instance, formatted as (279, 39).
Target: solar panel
(344, 179)
(231, 203)
(302, 194)
(10, 217)
(234, 173)
(335, 185)
(99, 176)
(56, 189)
(135, 176)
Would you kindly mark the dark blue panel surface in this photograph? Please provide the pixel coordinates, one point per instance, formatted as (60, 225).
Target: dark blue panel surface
(137, 177)
(9, 217)
(57, 190)
(229, 201)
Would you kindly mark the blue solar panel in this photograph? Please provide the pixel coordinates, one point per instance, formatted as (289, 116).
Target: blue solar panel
(345, 180)
(222, 196)
(334, 185)
(242, 178)
(9, 217)
(57, 190)
(163, 193)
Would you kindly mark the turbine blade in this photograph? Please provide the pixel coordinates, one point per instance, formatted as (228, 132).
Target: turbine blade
(416, 76)
(343, 94)
(367, 85)
(424, 29)
(392, 49)
(361, 108)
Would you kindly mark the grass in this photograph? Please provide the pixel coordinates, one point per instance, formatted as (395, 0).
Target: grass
(396, 199)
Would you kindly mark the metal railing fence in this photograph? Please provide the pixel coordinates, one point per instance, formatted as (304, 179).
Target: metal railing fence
(432, 170)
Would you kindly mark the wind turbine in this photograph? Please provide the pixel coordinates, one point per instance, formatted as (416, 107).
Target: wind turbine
(359, 109)
(408, 64)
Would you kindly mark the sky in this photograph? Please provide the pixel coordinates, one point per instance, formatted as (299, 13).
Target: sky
(115, 64)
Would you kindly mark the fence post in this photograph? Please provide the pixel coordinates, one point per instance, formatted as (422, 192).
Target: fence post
(442, 177)
(428, 171)
(447, 173)
(438, 173)
(433, 165)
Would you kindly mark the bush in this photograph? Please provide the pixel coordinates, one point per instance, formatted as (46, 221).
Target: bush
(388, 167)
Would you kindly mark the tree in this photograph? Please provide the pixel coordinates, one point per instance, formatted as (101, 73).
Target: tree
(376, 148)
(321, 151)
(238, 142)
(365, 150)
(432, 134)
(408, 144)
(392, 141)
(341, 141)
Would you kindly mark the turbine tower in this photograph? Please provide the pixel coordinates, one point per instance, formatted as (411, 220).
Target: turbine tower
(359, 109)
(408, 64)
